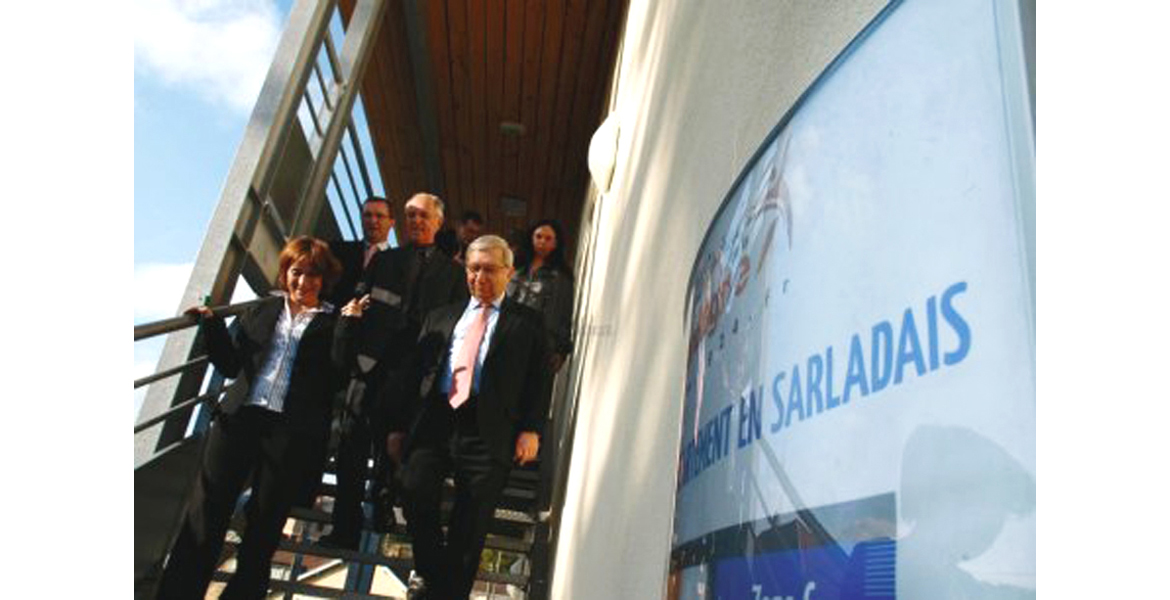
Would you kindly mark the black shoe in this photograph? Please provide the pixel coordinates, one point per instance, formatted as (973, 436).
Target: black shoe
(384, 519)
(337, 542)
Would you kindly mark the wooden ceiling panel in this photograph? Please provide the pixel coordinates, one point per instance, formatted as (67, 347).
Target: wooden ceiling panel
(592, 92)
(493, 98)
(408, 132)
(440, 60)
(514, 36)
(579, 123)
(550, 72)
(544, 64)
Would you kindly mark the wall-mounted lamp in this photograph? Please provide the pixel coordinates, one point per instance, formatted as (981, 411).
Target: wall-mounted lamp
(603, 147)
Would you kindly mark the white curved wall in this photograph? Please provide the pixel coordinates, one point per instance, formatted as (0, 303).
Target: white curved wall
(700, 86)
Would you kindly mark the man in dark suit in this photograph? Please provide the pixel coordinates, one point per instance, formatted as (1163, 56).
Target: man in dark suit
(478, 378)
(403, 284)
(356, 256)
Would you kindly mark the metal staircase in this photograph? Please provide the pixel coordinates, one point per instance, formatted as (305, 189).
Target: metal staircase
(286, 180)
(308, 569)
(513, 562)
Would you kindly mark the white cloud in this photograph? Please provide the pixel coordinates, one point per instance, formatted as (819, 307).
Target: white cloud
(219, 48)
(158, 288)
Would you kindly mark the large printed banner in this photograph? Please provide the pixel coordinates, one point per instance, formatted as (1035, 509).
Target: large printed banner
(859, 417)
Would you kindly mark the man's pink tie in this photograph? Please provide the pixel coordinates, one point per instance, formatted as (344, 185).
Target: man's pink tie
(370, 252)
(463, 373)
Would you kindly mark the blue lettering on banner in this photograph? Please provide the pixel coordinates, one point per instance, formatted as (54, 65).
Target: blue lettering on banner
(815, 394)
(957, 323)
(855, 374)
(883, 356)
(751, 419)
(908, 347)
(795, 397)
(816, 369)
(711, 444)
(932, 331)
(831, 401)
(779, 402)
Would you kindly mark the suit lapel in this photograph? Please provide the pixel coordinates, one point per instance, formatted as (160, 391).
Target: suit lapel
(450, 319)
(318, 323)
(504, 326)
(262, 327)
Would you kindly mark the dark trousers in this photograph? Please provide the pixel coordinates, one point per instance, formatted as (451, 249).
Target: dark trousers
(252, 443)
(362, 435)
(449, 563)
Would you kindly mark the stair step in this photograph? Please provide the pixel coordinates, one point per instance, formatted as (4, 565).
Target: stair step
(502, 514)
(508, 540)
(398, 565)
(493, 541)
(311, 549)
(308, 589)
(529, 473)
(520, 491)
(517, 488)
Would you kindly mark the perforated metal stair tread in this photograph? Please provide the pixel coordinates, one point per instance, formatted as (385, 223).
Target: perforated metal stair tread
(395, 564)
(522, 488)
(501, 514)
(306, 589)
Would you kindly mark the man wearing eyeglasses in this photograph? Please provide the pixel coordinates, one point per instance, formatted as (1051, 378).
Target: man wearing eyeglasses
(478, 383)
(357, 256)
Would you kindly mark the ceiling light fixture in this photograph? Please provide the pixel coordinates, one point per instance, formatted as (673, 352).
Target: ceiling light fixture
(511, 128)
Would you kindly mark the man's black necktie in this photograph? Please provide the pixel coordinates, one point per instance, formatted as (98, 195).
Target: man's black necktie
(418, 266)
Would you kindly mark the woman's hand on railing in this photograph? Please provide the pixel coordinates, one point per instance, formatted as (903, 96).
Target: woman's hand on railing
(183, 321)
(355, 307)
(200, 311)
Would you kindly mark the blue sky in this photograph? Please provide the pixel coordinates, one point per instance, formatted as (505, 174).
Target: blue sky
(198, 66)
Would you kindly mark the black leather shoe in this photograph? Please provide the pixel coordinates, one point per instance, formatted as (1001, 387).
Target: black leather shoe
(384, 519)
(337, 542)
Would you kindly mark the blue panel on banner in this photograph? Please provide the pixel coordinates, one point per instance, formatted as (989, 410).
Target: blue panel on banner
(810, 574)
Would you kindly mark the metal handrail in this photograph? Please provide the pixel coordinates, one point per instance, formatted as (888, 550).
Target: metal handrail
(151, 329)
(196, 362)
(181, 406)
